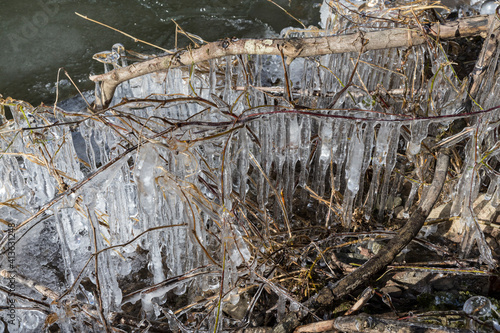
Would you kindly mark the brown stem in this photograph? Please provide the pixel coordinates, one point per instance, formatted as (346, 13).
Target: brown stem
(372, 324)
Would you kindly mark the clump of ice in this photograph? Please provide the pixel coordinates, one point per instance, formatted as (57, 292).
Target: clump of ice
(185, 185)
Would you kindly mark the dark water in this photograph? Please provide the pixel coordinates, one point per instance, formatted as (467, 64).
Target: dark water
(39, 36)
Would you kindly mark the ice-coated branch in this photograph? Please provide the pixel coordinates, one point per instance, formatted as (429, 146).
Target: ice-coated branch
(43, 290)
(291, 48)
(485, 58)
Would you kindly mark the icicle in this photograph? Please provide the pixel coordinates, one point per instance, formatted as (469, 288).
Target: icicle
(368, 138)
(121, 207)
(324, 155)
(240, 181)
(304, 149)
(418, 133)
(411, 198)
(353, 173)
(389, 166)
(340, 138)
(145, 176)
(379, 162)
(111, 294)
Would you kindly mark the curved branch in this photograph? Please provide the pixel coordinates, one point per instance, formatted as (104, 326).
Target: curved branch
(291, 48)
(383, 258)
(404, 236)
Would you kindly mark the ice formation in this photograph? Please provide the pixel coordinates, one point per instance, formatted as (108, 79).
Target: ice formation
(192, 164)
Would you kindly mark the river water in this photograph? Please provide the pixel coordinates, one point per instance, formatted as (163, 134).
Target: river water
(38, 37)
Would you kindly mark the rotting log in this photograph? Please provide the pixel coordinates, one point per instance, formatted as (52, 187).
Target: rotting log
(291, 49)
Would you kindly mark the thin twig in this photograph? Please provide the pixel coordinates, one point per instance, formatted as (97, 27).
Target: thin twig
(96, 267)
(124, 33)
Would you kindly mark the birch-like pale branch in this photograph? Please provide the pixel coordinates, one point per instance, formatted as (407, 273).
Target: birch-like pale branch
(292, 48)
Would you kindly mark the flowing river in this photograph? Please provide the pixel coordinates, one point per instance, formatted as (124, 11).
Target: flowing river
(38, 37)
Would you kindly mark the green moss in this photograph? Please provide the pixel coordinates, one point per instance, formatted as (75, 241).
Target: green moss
(342, 308)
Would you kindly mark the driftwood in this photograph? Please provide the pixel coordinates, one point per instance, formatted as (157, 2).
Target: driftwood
(290, 48)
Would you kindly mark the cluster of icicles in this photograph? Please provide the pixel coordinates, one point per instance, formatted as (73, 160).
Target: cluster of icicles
(217, 178)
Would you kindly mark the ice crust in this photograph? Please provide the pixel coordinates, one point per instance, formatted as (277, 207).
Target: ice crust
(197, 185)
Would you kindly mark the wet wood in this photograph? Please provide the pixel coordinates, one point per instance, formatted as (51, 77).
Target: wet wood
(374, 324)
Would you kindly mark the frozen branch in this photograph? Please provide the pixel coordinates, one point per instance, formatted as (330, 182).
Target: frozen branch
(291, 48)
